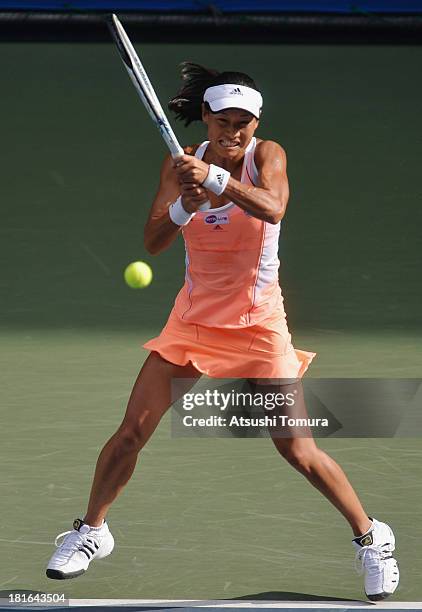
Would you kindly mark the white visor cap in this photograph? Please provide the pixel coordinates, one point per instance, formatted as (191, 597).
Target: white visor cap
(221, 97)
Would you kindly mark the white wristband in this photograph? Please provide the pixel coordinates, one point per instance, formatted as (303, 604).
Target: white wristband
(178, 214)
(217, 179)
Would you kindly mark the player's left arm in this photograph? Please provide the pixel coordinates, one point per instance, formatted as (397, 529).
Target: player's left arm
(268, 199)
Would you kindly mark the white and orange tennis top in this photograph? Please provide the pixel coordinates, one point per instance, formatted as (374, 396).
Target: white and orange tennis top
(232, 263)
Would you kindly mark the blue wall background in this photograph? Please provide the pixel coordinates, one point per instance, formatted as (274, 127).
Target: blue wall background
(227, 6)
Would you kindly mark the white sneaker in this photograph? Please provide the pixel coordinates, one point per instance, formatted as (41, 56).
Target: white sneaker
(79, 547)
(374, 554)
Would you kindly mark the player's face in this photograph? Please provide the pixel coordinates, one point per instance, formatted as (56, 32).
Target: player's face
(230, 131)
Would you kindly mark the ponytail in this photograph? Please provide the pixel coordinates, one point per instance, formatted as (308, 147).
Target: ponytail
(187, 104)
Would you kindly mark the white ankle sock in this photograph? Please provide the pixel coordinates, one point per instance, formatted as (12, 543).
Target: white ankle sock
(96, 528)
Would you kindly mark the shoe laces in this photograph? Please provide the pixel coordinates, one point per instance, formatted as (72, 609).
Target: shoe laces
(371, 558)
(72, 541)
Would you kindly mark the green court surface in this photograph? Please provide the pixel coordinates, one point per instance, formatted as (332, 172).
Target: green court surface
(201, 518)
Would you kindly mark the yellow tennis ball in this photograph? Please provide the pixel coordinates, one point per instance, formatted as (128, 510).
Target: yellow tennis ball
(138, 274)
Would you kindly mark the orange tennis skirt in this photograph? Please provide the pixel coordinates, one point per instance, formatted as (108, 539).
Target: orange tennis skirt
(260, 351)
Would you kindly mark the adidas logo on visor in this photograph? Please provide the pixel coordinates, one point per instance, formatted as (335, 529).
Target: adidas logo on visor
(236, 91)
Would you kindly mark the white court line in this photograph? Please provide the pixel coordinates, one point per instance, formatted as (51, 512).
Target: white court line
(240, 603)
(2, 584)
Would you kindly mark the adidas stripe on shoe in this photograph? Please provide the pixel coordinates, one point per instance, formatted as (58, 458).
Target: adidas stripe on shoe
(80, 546)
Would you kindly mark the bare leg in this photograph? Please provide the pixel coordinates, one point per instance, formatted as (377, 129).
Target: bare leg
(148, 402)
(298, 447)
(327, 476)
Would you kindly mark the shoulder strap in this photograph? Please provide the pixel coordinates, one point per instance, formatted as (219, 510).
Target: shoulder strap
(250, 170)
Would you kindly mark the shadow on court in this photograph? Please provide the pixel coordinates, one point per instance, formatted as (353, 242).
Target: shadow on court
(289, 596)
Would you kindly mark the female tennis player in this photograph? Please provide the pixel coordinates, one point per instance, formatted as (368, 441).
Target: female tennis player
(228, 319)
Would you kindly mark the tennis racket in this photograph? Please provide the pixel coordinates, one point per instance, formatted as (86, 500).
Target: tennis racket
(145, 90)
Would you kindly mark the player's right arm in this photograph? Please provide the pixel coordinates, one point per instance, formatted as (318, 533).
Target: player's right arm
(160, 231)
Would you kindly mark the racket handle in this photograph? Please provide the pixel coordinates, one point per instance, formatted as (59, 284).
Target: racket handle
(176, 150)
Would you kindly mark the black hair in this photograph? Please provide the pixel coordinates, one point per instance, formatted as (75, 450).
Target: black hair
(187, 103)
